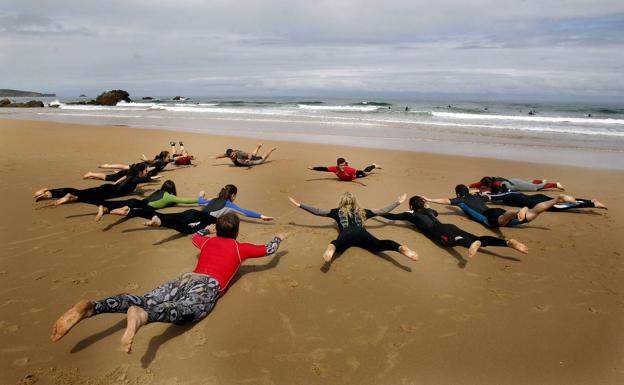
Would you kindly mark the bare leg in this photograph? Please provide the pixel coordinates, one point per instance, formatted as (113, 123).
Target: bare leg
(101, 211)
(409, 253)
(154, 222)
(541, 207)
(136, 317)
(268, 153)
(69, 319)
(116, 166)
(183, 150)
(474, 247)
(94, 175)
(173, 150)
(516, 245)
(510, 215)
(329, 252)
(121, 211)
(255, 151)
(40, 192)
(67, 198)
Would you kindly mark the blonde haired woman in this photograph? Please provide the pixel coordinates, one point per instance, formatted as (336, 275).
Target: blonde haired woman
(350, 218)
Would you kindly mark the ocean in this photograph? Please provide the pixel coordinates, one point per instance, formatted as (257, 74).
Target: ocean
(590, 135)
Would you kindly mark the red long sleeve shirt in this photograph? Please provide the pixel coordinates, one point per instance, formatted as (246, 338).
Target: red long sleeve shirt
(347, 175)
(220, 257)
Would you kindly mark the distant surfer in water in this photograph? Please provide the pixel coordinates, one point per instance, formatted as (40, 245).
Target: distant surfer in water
(346, 173)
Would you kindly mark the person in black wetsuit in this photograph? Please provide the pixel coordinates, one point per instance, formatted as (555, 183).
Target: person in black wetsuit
(445, 234)
(507, 197)
(350, 218)
(95, 195)
(191, 221)
(474, 206)
(155, 166)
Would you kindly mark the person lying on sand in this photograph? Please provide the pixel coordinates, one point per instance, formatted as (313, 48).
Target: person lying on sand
(503, 195)
(445, 234)
(514, 184)
(474, 206)
(188, 298)
(350, 218)
(242, 159)
(346, 173)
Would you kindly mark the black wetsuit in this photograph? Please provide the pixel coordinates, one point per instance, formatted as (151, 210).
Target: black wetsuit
(352, 232)
(157, 164)
(445, 234)
(96, 195)
(474, 206)
(517, 199)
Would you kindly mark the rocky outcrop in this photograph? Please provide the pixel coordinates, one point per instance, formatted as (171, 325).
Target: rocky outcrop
(147, 98)
(30, 104)
(82, 96)
(18, 93)
(111, 98)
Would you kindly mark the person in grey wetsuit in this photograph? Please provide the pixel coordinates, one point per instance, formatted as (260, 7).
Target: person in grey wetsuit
(188, 298)
(350, 218)
(191, 221)
(487, 183)
(243, 159)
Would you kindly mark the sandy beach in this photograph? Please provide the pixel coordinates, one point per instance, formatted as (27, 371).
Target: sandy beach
(551, 317)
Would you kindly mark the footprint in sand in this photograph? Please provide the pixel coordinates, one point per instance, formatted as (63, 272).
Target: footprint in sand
(542, 308)
(21, 361)
(316, 369)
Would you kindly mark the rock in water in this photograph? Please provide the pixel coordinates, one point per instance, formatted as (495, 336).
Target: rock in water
(111, 98)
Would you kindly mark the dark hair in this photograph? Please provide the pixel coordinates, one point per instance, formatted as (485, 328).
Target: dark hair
(227, 192)
(162, 155)
(228, 152)
(137, 168)
(417, 203)
(169, 187)
(461, 190)
(227, 226)
(340, 161)
(499, 188)
(487, 180)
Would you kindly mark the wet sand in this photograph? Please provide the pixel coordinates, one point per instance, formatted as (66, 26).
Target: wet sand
(551, 317)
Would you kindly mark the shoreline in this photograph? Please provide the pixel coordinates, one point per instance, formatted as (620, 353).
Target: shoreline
(526, 147)
(369, 319)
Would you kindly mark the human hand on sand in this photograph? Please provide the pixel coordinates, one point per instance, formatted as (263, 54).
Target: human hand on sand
(294, 202)
(402, 198)
(265, 218)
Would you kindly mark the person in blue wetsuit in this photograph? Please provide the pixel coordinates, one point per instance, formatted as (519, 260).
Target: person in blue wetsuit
(475, 207)
(191, 221)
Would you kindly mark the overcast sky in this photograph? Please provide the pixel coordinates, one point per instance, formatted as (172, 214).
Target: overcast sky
(543, 48)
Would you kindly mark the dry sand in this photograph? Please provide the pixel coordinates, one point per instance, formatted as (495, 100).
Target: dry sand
(552, 317)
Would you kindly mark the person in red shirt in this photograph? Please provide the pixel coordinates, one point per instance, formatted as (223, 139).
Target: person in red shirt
(346, 173)
(187, 298)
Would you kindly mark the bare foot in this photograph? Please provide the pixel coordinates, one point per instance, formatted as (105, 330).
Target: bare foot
(566, 198)
(101, 211)
(377, 166)
(409, 253)
(560, 186)
(516, 245)
(42, 196)
(121, 211)
(329, 253)
(87, 175)
(136, 317)
(599, 205)
(40, 192)
(67, 198)
(155, 222)
(474, 247)
(70, 318)
(522, 213)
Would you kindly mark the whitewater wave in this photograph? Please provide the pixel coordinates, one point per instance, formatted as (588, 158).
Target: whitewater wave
(360, 108)
(544, 119)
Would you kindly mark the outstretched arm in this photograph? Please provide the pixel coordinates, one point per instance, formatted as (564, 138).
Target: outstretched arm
(391, 206)
(120, 180)
(405, 216)
(248, 250)
(440, 201)
(319, 168)
(310, 209)
(221, 156)
(247, 213)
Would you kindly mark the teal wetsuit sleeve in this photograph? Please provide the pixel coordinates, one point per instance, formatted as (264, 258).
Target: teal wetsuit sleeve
(203, 201)
(245, 212)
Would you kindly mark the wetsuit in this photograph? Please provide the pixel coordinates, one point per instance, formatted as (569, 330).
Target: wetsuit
(445, 234)
(157, 200)
(351, 229)
(243, 159)
(517, 199)
(191, 221)
(96, 195)
(475, 208)
(513, 184)
(348, 174)
(192, 296)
